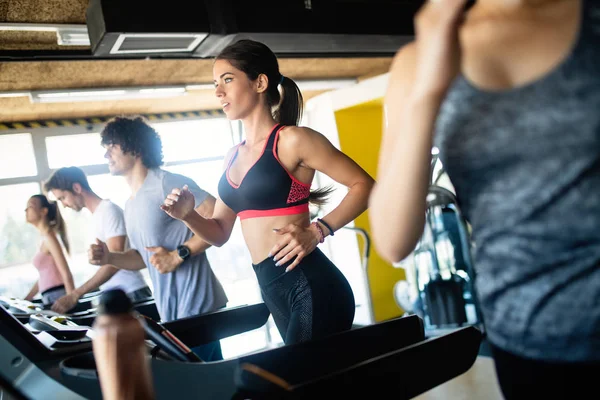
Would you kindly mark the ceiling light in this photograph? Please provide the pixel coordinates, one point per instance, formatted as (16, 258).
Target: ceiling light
(14, 94)
(72, 37)
(201, 86)
(77, 95)
(304, 85)
(66, 34)
(68, 96)
(167, 90)
(324, 84)
(150, 92)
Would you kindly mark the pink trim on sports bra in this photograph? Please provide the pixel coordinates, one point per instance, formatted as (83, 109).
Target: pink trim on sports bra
(299, 209)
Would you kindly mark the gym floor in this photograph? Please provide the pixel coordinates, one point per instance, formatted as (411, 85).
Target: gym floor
(478, 383)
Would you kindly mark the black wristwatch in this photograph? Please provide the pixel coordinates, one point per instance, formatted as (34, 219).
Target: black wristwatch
(183, 252)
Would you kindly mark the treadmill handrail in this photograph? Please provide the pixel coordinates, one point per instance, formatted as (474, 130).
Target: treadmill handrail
(365, 266)
(365, 235)
(202, 329)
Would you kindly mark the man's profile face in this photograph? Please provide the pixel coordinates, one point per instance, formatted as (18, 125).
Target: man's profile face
(119, 163)
(69, 199)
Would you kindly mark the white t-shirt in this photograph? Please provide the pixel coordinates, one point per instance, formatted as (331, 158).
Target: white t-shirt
(109, 222)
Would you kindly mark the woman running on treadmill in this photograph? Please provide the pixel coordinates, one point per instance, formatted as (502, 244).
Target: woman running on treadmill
(266, 183)
(510, 94)
(55, 278)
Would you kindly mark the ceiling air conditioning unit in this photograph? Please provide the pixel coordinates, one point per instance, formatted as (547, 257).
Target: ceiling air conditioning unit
(133, 27)
(311, 28)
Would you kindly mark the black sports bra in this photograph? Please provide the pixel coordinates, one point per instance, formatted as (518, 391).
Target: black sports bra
(267, 189)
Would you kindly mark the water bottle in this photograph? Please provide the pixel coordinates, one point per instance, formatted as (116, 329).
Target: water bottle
(120, 349)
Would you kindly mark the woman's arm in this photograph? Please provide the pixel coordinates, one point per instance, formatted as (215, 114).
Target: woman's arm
(215, 231)
(419, 79)
(397, 203)
(61, 262)
(34, 290)
(311, 149)
(315, 151)
(213, 222)
(68, 301)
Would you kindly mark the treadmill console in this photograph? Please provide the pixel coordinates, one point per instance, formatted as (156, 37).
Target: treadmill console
(56, 333)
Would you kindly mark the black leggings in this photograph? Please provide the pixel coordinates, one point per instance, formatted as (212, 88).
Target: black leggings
(313, 300)
(522, 378)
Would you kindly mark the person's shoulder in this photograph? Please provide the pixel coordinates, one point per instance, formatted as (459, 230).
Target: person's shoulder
(404, 62)
(109, 204)
(111, 207)
(292, 135)
(300, 138)
(230, 153)
(173, 179)
(50, 239)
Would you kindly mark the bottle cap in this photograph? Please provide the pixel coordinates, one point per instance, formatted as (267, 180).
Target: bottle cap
(114, 301)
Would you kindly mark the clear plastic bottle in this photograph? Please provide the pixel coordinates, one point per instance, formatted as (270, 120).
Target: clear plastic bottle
(120, 350)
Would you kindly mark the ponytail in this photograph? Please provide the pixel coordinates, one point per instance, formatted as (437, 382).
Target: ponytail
(320, 196)
(61, 227)
(291, 105)
(55, 219)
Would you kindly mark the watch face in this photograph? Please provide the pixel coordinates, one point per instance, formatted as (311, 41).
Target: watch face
(183, 251)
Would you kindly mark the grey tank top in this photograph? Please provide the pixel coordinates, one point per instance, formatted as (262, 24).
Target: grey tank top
(525, 164)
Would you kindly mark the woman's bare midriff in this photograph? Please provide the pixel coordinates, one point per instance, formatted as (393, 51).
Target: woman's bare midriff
(260, 237)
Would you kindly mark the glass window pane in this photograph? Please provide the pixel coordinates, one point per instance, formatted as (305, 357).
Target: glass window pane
(110, 187)
(206, 174)
(16, 156)
(17, 280)
(188, 140)
(18, 239)
(78, 150)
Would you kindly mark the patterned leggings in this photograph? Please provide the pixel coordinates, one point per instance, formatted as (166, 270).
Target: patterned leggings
(311, 301)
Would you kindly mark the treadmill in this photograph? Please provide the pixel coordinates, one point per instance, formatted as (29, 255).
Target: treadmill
(388, 356)
(82, 314)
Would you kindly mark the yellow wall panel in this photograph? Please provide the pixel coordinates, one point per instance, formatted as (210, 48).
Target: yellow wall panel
(360, 129)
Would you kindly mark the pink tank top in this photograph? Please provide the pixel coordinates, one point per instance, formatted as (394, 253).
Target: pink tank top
(49, 275)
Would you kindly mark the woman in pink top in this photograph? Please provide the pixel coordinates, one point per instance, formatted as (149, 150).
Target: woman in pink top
(55, 279)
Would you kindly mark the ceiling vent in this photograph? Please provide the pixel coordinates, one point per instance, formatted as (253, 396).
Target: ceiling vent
(192, 28)
(135, 43)
(133, 27)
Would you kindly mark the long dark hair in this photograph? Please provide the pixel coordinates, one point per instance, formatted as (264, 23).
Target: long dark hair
(54, 219)
(255, 58)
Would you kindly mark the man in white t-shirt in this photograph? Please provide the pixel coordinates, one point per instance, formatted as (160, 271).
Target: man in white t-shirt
(70, 186)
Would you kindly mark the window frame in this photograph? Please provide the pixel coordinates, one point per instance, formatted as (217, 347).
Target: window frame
(39, 135)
